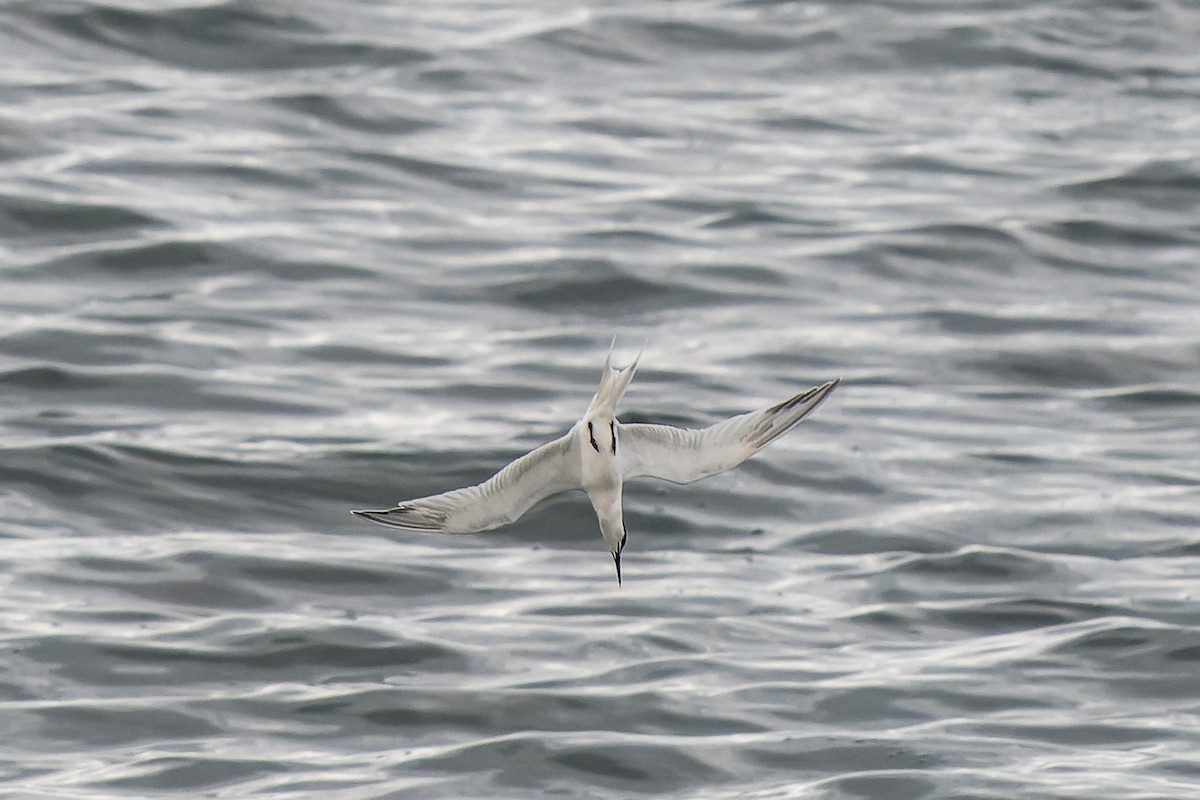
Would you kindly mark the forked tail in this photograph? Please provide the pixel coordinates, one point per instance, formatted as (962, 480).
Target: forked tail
(613, 383)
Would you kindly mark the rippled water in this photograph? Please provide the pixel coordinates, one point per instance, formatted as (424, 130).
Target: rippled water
(263, 262)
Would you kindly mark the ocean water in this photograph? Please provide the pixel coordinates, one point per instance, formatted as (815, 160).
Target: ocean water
(263, 262)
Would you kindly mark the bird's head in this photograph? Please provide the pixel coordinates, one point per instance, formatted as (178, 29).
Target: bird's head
(616, 554)
(612, 523)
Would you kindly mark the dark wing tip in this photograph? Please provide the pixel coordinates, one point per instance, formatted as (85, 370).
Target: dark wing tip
(828, 386)
(777, 419)
(405, 516)
(374, 516)
(804, 397)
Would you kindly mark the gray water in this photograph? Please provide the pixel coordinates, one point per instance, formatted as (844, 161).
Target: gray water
(263, 262)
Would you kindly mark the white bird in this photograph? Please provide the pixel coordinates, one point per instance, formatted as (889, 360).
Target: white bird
(598, 455)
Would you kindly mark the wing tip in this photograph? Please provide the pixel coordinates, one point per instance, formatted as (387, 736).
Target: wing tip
(405, 517)
(814, 395)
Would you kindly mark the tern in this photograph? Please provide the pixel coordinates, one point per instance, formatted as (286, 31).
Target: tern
(598, 455)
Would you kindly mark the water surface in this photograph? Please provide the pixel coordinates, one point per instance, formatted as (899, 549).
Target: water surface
(265, 262)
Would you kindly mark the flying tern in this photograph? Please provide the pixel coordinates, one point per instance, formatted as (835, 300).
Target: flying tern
(598, 455)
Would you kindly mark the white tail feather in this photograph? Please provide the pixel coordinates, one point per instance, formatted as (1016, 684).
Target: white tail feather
(613, 383)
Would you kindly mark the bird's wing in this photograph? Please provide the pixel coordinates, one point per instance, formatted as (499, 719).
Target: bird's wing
(682, 456)
(501, 499)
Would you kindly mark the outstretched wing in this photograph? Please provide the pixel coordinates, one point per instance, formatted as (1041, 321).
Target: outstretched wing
(682, 456)
(501, 499)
